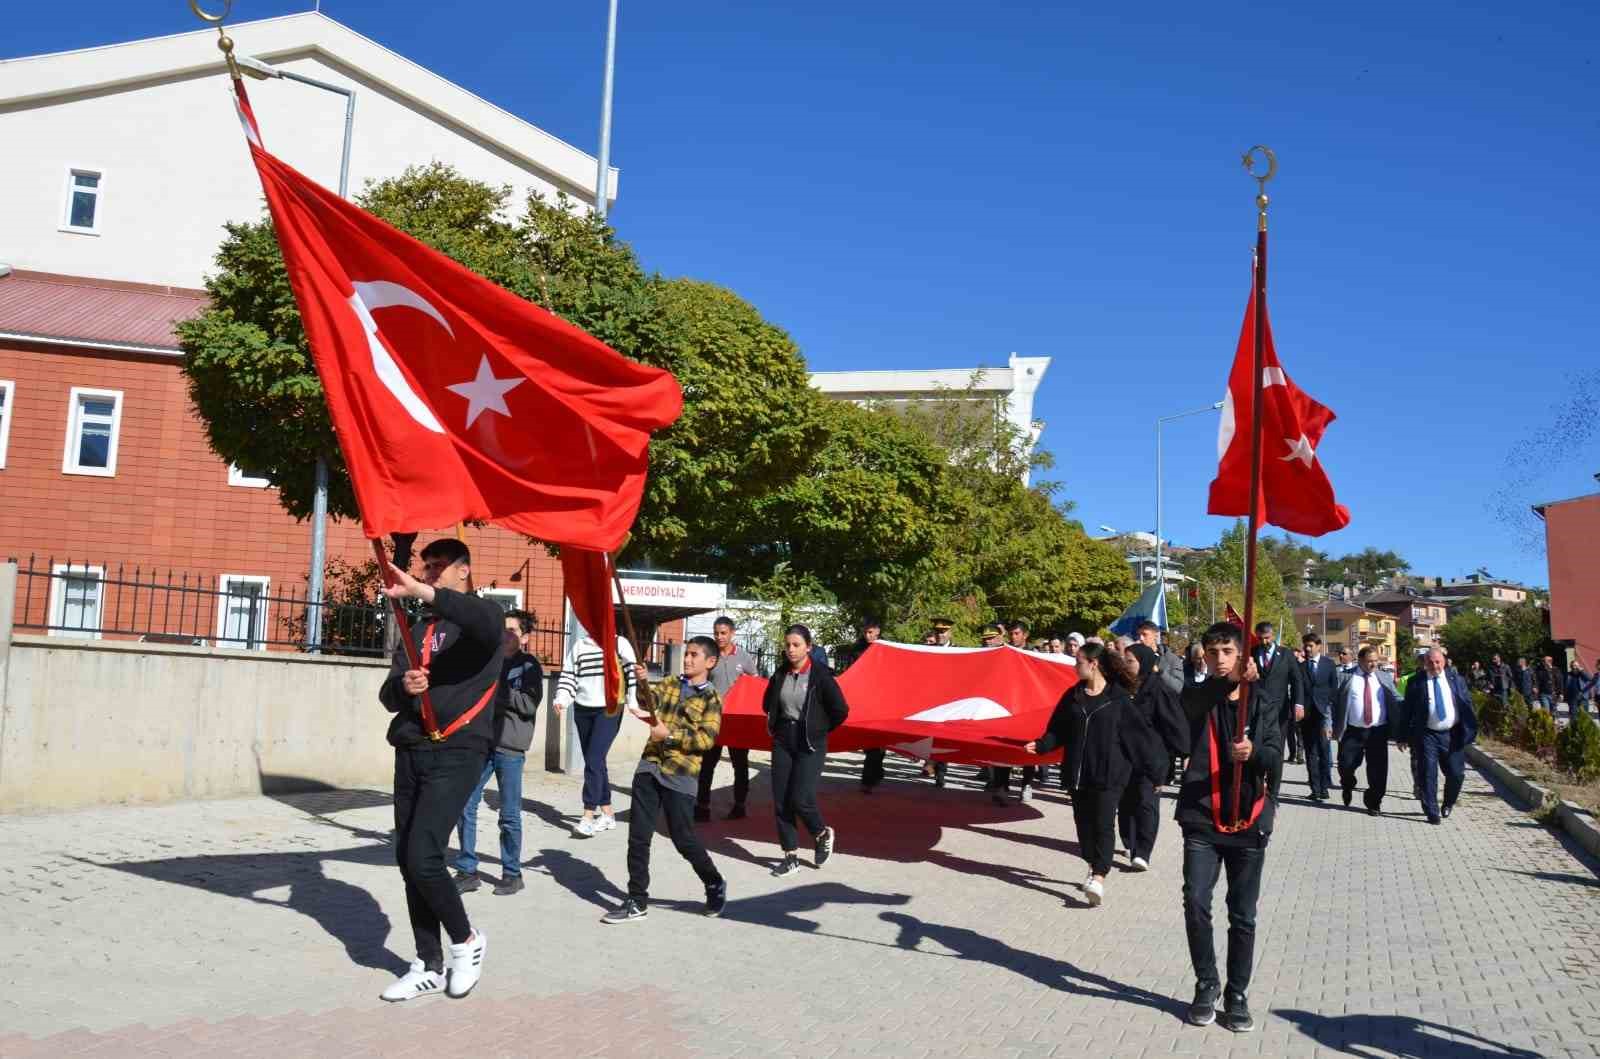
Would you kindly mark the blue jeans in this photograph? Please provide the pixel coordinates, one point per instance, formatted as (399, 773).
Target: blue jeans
(506, 767)
(1547, 702)
(596, 732)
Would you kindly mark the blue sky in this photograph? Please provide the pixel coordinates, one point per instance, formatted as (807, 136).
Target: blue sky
(937, 185)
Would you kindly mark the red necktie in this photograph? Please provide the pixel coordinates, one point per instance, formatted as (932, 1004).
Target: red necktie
(1366, 702)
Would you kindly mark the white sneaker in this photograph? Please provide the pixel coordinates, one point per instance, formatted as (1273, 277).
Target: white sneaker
(1027, 794)
(419, 981)
(1140, 864)
(1094, 889)
(466, 964)
(604, 822)
(586, 827)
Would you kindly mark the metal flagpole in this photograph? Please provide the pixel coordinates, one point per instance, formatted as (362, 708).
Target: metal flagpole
(1259, 302)
(604, 169)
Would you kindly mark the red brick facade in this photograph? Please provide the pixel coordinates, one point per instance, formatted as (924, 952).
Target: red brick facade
(169, 504)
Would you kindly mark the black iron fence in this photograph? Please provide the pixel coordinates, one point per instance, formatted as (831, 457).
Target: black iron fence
(70, 597)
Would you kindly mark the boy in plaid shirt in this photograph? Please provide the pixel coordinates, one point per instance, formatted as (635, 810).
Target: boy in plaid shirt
(687, 718)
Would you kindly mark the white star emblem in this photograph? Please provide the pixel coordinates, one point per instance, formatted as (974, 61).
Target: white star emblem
(485, 393)
(1300, 449)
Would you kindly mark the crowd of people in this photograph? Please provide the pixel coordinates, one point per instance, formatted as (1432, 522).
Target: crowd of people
(1220, 722)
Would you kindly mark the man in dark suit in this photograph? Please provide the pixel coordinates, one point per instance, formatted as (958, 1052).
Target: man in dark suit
(1279, 689)
(1363, 708)
(1438, 723)
(1319, 679)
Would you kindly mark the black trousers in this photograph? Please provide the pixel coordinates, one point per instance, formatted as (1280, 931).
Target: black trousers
(1371, 745)
(1095, 813)
(1291, 735)
(651, 799)
(872, 768)
(1204, 859)
(1433, 755)
(431, 787)
(796, 772)
(1139, 817)
(1316, 753)
(741, 773)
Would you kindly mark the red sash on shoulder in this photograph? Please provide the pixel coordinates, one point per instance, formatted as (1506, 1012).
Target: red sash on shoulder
(430, 722)
(1215, 744)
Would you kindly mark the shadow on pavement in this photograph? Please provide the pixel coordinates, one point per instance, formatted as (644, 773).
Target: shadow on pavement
(1554, 876)
(1044, 970)
(784, 908)
(577, 877)
(1397, 1035)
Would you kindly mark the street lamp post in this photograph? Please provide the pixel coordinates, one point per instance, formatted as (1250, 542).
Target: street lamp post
(319, 499)
(1160, 567)
(602, 177)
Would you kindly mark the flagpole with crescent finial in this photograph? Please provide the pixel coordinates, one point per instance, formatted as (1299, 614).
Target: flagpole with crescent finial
(1258, 325)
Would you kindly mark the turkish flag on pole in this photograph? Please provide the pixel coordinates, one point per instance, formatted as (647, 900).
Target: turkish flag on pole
(454, 400)
(1295, 492)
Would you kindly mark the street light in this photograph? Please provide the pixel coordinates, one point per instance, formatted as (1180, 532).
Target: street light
(603, 175)
(319, 501)
(1160, 566)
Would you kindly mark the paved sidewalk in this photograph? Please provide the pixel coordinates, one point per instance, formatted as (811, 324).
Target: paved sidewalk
(944, 926)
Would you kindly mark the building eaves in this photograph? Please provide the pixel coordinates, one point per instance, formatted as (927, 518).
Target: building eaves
(1538, 509)
(94, 314)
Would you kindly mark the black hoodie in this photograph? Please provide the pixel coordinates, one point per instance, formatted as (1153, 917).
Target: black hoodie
(468, 652)
(1107, 740)
(1208, 702)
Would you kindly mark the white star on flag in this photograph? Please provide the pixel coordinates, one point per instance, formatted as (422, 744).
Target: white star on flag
(1299, 449)
(485, 393)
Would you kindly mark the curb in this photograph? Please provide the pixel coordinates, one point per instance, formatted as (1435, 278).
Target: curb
(1576, 822)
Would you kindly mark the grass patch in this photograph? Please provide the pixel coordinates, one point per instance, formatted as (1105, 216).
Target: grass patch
(1586, 795)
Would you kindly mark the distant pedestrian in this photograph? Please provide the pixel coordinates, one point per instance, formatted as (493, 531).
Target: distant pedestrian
(1320, 681)
(803, 704)
(733, 662)
(1501, 681)
(583, 687)
(1525, 682)
(1579, 688)
(1546, 682)
(1074, 643)
(516, 707)
(1477, 677)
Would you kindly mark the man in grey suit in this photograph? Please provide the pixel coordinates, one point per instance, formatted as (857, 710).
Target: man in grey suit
(1363, 708)
(1320, 680)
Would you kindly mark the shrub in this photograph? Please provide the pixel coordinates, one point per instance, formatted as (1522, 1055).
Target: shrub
(1578, 748)
(1491, 715)
(1513, 721)
(1540, 737)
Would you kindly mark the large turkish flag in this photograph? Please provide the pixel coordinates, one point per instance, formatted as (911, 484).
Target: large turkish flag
(965, 705)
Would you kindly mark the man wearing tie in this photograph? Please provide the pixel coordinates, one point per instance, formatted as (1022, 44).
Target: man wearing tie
(1279, 690)
(1365, 704)
(1438, 723)
(1320, 680)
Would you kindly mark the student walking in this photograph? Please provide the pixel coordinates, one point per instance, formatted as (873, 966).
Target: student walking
(803, 704)
(686, 723)
(583, 687)
(1107, 744)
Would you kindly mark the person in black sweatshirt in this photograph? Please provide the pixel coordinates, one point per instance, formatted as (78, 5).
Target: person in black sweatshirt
(442, 732)
(803, 704)
(1139, 812)
(1221, 834)
(1107, 743)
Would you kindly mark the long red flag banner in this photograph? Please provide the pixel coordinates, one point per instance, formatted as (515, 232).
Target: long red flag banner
(454, 400)
(973, 706)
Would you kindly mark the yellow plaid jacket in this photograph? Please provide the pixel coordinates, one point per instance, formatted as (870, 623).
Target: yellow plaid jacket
(692, 727)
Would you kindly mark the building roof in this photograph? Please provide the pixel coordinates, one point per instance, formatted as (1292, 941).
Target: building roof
(1538, 509)
(1336, 607)
(37, 79)
(135, 317)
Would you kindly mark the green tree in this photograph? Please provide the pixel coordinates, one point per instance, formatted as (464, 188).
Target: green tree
(1223, 572)
(1476, 633)
(1291, 557)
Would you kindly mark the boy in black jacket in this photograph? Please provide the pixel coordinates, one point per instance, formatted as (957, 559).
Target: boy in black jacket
(1207, 813)
(441, 733)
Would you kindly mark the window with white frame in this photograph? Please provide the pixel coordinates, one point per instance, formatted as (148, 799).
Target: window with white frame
(81, 212)
(76, 597)
(242, 610)
(7, 388)
(238, 476)
(94, 419)
(507, 598)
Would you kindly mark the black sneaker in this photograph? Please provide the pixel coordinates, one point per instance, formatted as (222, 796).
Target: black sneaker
(510, 884)
(1349, 796)
(630, 911)
(466, 881)
(787, 866)
(716, 899)
(1203, 1012)
(1236, 1014)
(736, 813)
(702, 813)
(824, 846)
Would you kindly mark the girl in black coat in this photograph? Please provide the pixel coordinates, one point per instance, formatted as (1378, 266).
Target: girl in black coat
(803, 704)
(1107, 743)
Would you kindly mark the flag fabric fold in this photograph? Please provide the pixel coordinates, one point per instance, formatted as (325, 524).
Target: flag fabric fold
(1150, 606)
(456, 401)
(1296, 494)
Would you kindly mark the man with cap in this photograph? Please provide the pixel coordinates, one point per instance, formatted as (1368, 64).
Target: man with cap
(992, 635)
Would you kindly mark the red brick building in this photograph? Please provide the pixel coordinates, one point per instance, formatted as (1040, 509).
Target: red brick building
(1571, 528)
(103, 463)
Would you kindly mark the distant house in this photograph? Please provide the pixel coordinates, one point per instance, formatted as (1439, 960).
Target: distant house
(1506, 592)
(1351, 625)
(1421, 616)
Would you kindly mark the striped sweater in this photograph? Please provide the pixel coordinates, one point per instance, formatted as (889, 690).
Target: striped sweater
(583, 670)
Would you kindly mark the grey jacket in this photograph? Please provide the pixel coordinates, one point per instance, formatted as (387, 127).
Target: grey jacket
(516, 703)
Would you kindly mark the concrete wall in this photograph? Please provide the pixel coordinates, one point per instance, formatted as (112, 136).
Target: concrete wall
(95, 722)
